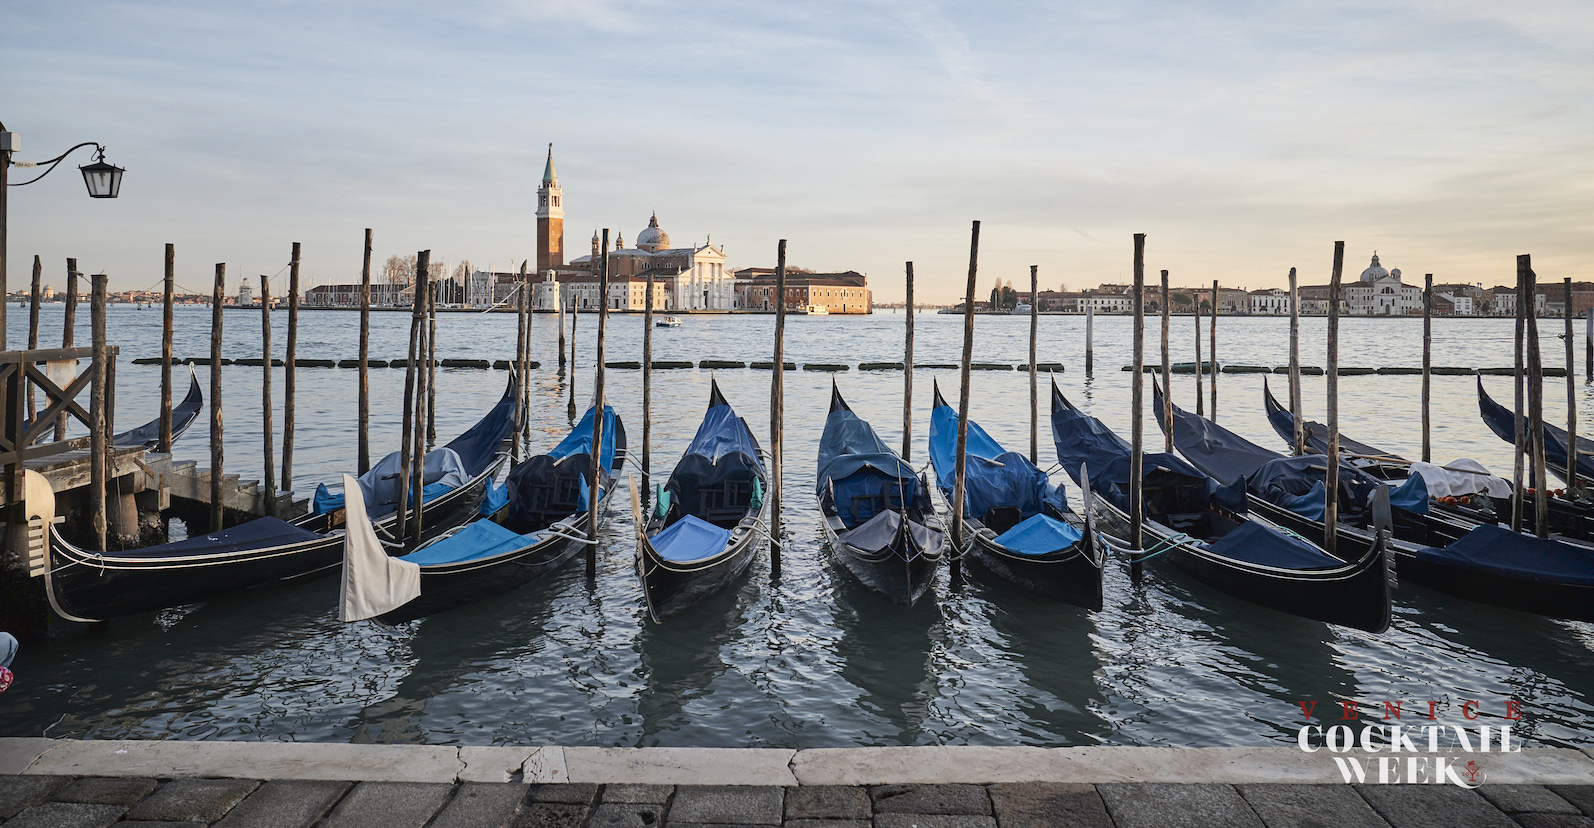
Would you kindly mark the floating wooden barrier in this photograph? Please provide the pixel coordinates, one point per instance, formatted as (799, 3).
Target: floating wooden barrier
(944, 366)
(1452, 371)
(320, 363)
(258, 362)
(1056, 367)
(1497, 372)
(1397, 371)
(1357, 372)
(206, 361)
(665, 364)
(623, 363)
(147, 361)
(767, 366)
(826, 366)
(880, 366)
(376, 363)
(456, 362)
(721, 363)
(989, 366)
(1246, 369)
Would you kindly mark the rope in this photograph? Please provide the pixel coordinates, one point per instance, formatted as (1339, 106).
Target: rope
(1166, 544)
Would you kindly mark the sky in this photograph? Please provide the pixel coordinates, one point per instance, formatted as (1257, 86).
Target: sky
(1243, 138)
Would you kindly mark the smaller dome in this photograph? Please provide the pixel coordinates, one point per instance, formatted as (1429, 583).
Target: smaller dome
(652, 238)
(1374, 271)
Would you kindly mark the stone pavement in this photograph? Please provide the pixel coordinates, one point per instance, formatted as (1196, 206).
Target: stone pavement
(98, 784)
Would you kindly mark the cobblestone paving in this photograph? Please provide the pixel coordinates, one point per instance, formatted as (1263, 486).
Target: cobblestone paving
(64, 802)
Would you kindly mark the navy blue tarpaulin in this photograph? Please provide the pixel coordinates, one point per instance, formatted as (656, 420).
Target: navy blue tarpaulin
(480, 445)
(862, 472)
(1495, 550)
(1083, 440)
(260, 533)
(1259, 544)
(1499, 419)
(992, 477)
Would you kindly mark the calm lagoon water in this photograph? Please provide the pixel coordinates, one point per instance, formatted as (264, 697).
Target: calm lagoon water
(809, 660)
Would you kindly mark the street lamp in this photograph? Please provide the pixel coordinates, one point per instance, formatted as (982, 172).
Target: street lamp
(103, 181)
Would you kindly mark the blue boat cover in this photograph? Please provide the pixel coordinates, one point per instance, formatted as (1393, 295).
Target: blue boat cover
(1411, 495)
(1083, 440)
(482, 539)
(1255, 543)
(866, 476)
(325, 501)
(494, 497)
(579, 440)
(1497, 550)
(992, 477)
(1039, 535)
(722, 433)
(690, 539)
(1499, 419)
(480, 445)
(260, 533)
(1316, 433)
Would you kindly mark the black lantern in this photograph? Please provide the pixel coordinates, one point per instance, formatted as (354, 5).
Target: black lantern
(103, 180)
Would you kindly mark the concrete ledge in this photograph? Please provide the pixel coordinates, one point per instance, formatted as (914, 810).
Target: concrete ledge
(715, 766)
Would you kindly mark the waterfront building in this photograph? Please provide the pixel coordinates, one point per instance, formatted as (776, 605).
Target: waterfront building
(837, 293)
(550, 219)
(1379, 292)
(383, 295)
(1270, 302)
(695, 276)
(246, 293)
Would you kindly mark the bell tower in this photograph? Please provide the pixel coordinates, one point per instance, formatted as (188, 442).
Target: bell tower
(550, 219)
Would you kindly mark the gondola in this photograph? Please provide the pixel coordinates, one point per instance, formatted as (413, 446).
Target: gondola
(1501, 421)
(706, 521)
(148, 436)
(878, 516)
(93, 586)
(1480, 562)
(1244, 555)
(1016, 522)
(535, 523)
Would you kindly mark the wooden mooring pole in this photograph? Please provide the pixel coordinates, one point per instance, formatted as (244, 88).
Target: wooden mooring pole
(266, 430)
(594, 493)
(68, 329)
(520, 364)
(777, 409)
(99, 434)
(168, 301)
(423, 289)
(1212, 335)
(1588, 345)
(1427, 365)
(1137, 385)
(1299, 441)
(575, 316)
(559, 313)
(431, 361)
(1090, 335)
(1200, 404)
(963, 402)
(523, 378)
(290, 361)
(1541, 493)
(1571, 389)
(907, 375)
(406, 431)
(216, 298)
(1519, 432)
(1034, 393)
(647, 394)
(365, 358)
(1331, 474)
(35, 299)
(1167, 370)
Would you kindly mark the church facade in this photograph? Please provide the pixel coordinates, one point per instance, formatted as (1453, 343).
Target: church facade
(1380, 292)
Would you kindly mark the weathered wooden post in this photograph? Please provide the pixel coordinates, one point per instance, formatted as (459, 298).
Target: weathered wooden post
(1034, 394)
(777, 408)
(523, 378)
(1427, 363)
(907, 375)
(69, 330)
(520, 364)
(1200, 404)
(1137, 504)
(647, 393)
(406, 433)
(1212, 334)
(100, 448)
(1299, 441)
(288, 382)
(575, 316)
(1519, 433)
(266, 429)
(423, 289)
(217, 297)
(1541, 493)
(1167, 370)
(168, 300)
(1588, 345)
(1090, 335)
(595, 481)
(559, 313)
(35, 299)
(1331, 474)
(431, 361)
(963, 402)
(365, 358)
(1571, 390)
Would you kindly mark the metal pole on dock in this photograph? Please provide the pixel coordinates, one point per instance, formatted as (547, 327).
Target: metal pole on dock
(1137, 384)
(431, 361)
(1299, 440)
(1167, 370)
(593, 494)
(1212, 334)
(406, 434)
(216, 298)
(1200, 398)
(290, 363)
(907, 375)
(1034, 393)
(365, 358)
(266, 429)
(168, 300)
(99, 436)
(423, 285)
(575, 316)
(1331, 473)
(35, 299)
(777, 408)
(1427, 363)
(647, 393)
(68, 329)
(1571, 389)
(963, 402)
(1541, 493)
(1519, 436)
(1090, 348)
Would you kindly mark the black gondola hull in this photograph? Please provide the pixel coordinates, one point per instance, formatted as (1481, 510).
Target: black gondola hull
(1073, 575)
(1357, 598)
(671, 587)
(901, 572)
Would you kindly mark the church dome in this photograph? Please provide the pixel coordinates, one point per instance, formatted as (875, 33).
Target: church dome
(1374, 271)
(652, 238)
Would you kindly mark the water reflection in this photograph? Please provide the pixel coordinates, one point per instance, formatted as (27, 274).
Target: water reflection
(885, 651)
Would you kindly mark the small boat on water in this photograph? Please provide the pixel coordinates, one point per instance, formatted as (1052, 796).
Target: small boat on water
(184, 414)
(707, 520)
(1022, 309)
(667, 322)
(535, 522)
(878, 515)
(1017, 523)
(1242, 554)
(85, 585)
(816, 310)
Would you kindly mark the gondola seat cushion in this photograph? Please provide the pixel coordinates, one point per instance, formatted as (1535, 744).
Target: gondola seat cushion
(1495, 550)
(1039, 535)
(482, 539)
(690, 539)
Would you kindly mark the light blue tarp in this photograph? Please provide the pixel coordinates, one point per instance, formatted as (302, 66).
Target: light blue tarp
(854, 463)
(722, 433)
(1039, 535)
(690, 539)
(991, 477)
(380, 485)
(579, 440)
(1411, 495)
(482, 539)
(494, 498)
(326, 501)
